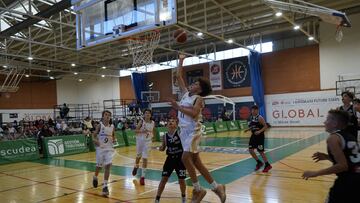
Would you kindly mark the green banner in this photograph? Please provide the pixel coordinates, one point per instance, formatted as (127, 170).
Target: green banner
(209, 128)
(232, 125)
(120, 141)
(220, 126)
(160, 133)
(131, 137)
(18, 150)
(243, 124)
(64, 145)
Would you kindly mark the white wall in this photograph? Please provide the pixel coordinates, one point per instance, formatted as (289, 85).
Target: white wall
(339, 58)
(87, 91)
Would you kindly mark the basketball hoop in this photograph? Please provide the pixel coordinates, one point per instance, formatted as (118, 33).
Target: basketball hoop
(142, 47)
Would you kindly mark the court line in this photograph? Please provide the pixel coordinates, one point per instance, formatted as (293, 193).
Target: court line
(239, 161)
(58, 186)
(249, 158)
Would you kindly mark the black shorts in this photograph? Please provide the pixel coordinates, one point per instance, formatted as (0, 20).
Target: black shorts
(345, 190)
(174, 162)
(257, 142)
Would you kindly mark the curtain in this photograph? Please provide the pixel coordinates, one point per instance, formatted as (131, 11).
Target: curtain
(257, 85)
(140, 84)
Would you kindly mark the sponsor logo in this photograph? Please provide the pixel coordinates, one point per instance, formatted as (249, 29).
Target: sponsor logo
(17, 151)
(56, 147)
(215, 69)
(236, 73)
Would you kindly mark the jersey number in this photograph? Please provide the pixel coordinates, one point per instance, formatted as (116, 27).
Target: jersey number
(355, 151)
(106, 140)
(182, 115)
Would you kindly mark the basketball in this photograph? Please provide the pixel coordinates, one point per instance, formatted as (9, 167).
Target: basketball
(180, 36)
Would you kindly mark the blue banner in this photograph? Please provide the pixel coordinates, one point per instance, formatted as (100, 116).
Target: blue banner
(236, 73)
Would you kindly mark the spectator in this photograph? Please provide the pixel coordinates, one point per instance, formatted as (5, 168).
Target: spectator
(64, 110)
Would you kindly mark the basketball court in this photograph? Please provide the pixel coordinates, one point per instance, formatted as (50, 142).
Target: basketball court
(87, 41)
(69, 178)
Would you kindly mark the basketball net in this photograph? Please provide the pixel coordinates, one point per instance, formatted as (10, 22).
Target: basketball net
(142, 47)
(338, 33)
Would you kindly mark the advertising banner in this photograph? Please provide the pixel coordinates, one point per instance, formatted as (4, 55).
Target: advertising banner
(64, 145)
(18, 150)
(300, 109)
(215, 75)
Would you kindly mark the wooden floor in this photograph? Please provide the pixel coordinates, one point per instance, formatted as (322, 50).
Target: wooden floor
(69, 179)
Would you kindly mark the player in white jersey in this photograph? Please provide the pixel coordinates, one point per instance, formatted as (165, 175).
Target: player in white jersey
(104, 139)
(190, 117)
(145, 131)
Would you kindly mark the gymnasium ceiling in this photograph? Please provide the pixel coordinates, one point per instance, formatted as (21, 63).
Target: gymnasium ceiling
(51, 40)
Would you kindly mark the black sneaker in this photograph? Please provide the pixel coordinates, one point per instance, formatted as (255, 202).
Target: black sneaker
(105, 191)
(134, 172)
(95, 182)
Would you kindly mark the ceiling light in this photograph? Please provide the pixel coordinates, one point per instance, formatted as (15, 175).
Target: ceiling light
(30, 58)
(296, 27)
(75, 73)
(27, 75)
(278, 14)
(73, 64)
(51, 77)
(5, 66)
(311, 38)
(80, 80)
(200, 34)
(48, 71)
(102, 76)
(230, 41)
(104, 67)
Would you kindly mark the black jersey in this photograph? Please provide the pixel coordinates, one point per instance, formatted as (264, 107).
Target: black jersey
(353, 123)
(173, 143)
(351, 150)
(254, 123)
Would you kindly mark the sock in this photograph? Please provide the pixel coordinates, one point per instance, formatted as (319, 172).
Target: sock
(95, 177)
(183, 195)
(197, 186)
(136, 166)
(157, 197)
(258, 161)
(267, 163)
(105, 183)
(143, 171)
(213, 185)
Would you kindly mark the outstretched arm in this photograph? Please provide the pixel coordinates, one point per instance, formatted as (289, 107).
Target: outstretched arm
(179, 73)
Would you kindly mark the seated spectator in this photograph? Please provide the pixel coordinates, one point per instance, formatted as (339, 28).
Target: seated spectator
(45, 132)
(88, 122)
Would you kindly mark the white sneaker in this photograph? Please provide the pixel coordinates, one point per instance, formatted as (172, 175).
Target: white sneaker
(220, 192)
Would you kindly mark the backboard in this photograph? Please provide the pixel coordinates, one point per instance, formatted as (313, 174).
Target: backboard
(348, 85)
(150, 96)
(101, 21)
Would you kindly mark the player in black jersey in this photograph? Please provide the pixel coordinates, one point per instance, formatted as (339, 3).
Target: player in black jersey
(347, 99)
(344, 153)
(174, 150)
(257, 125)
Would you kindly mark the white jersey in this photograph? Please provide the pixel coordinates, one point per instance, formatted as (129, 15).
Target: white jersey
(148, 126)
(105, 136)
(186, 121)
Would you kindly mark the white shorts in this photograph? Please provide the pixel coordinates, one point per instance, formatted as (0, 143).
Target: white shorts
(104, 156)
(143, 146)
(190, 139)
